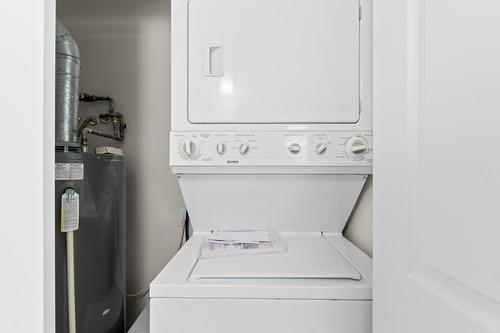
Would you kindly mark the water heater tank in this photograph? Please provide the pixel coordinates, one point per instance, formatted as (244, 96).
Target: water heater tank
(99, 242)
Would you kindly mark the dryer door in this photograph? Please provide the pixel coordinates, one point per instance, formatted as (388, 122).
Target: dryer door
(273, 61)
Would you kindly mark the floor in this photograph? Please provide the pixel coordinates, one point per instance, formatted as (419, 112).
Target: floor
(141, 325)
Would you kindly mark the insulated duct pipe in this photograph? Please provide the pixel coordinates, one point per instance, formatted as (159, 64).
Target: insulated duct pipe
(67, 87)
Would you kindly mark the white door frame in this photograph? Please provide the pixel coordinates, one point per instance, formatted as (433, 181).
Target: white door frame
(27, 90)
(48, 162)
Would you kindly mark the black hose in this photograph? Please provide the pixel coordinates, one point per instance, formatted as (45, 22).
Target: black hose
(87, 98)
(186, 226)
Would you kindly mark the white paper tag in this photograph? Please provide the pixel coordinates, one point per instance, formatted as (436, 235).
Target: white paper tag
(70, 211)
(69, 171)
(247, 236)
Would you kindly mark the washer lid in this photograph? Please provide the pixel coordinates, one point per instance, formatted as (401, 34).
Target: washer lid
(175, 281)
(281, 202)
(273, 61)
(309, 256)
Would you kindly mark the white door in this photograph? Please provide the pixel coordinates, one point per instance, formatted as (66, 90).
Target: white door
(437, 166)
(273, 61)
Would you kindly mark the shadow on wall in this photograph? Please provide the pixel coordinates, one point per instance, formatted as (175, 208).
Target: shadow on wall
(125, 48)
(359, 227)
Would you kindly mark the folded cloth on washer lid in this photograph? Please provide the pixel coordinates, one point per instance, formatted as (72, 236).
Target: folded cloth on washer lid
(246, 242)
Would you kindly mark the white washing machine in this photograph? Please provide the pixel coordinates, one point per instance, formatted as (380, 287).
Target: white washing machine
(271, 130)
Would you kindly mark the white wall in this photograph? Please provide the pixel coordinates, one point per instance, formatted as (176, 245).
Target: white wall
(125, 47)
(27, 166)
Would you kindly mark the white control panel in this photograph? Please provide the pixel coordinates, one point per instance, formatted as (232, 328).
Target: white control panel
(271, 149)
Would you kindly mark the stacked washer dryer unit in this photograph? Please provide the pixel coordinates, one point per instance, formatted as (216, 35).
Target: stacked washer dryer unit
(271, 130)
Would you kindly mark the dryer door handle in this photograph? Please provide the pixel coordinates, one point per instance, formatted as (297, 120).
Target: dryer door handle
(213, 60)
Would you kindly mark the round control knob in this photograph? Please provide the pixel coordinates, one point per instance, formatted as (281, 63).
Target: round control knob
(190, 148)
(356, 147)
(294, 148)
(221, 148)
(244, 148)
(321, 148)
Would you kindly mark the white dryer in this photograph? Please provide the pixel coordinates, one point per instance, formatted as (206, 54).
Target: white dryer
(271, 130)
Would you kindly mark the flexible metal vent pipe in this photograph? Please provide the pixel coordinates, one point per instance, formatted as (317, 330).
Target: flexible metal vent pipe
(67, 87)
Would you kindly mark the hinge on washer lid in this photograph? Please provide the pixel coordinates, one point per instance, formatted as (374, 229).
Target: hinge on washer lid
(359, 13)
